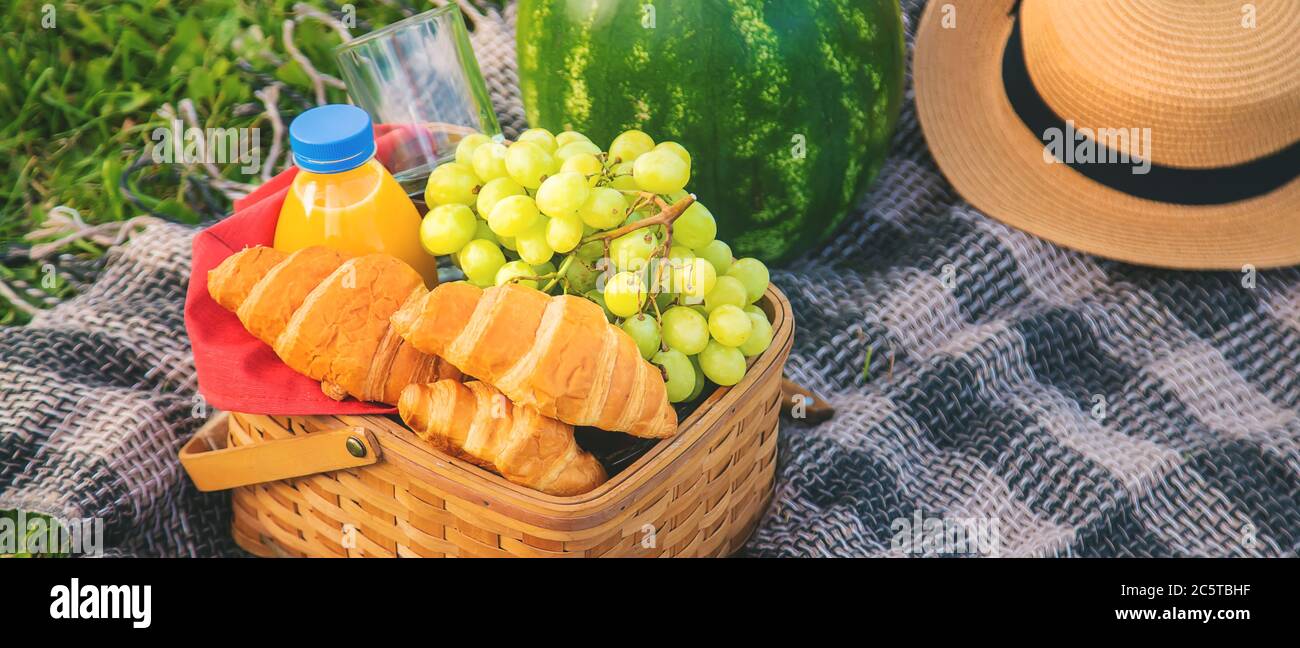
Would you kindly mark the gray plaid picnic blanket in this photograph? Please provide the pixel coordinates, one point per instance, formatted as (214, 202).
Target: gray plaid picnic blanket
(1044, 401)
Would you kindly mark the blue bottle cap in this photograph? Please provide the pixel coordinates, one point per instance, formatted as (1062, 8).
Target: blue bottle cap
(331, 138)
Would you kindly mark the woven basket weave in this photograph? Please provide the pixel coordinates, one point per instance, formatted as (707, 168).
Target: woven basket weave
(699, 493)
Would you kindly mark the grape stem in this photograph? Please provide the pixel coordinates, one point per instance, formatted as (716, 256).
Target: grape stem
(560, 272)
(553, 277)
(666, 216)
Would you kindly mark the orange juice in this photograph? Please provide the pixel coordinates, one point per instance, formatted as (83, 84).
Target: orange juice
(358, 211)
(345, 199)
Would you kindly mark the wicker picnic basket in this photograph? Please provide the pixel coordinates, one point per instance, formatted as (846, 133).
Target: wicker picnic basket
(344, 486)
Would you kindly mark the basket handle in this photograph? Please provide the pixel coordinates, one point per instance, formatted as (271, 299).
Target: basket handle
(214, 467)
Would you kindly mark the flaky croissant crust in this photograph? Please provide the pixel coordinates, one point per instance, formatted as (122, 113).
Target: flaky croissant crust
(326, 316)
(556, 354)
(476, 422)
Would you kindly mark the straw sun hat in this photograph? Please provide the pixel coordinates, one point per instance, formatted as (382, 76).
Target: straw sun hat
(1159, 132)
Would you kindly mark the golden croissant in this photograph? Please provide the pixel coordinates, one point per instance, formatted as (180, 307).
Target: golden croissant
(326, 316)
(556, 354)
(477, 423)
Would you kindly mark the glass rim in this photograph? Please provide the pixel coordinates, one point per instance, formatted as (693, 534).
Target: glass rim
(388, 29)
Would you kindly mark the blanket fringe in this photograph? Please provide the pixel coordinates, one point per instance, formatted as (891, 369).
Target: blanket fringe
(65, 223)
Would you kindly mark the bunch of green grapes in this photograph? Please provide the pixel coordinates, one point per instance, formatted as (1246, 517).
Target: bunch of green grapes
(558, 213)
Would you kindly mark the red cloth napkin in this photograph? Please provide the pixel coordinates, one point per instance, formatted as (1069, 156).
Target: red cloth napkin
(236, 371)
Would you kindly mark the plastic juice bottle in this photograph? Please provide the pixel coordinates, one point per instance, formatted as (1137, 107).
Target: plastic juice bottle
(345, 199)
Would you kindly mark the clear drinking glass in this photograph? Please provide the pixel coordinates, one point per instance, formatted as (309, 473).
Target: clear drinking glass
(419, 77)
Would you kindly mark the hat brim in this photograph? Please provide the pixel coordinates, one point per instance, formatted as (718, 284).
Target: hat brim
(996, 163)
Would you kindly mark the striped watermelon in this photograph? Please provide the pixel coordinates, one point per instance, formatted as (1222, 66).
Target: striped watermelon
(786, 105)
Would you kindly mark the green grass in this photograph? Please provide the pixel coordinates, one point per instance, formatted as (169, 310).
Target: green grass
(78, 103)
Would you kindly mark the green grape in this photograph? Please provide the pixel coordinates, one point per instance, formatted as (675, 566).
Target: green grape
(569, 137)
(604, 208)
(581, 276)
(676, 149)
(645, 332)
(624, 293)
(482, 231)
(722, 364)
(698, 279)
(632, 251)
(699, 379)
(730, 325)
(635, 216)
(517, 269)
(680, 374)
(493, 192)
(481, 260)
(452, 184)
(727, 290)
(751, 308)
(661, 172)
(545, 269)
(586, 164)
(540, 137)
(760, 337)
(528, 164)
(465, 148)
(532, 245)
(576, 148)
(622, 177)
(681, 253)
(591, 251)
(447, 228)
(695, 228)
(513, 215)
(685, 330)
(717, 252)
(507, 242)
(599, 297)
(490, 161)
(655, 231)
(630, 145)
(562, 194)
(664, 299)
(563, 234)
(753, 274)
